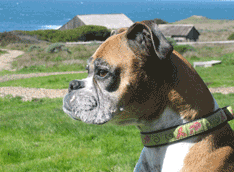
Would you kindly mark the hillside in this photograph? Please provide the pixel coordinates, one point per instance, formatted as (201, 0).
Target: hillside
(210, 29)
(206, 24)
(201, 19)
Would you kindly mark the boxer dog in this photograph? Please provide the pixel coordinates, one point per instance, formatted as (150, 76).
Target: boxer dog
(136, 78)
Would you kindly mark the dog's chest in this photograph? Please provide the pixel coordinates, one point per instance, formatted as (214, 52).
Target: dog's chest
(164, 158)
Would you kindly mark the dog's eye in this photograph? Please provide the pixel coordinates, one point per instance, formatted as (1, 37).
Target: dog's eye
(102, 73)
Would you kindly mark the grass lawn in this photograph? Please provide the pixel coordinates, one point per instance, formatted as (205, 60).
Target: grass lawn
(220, 75)
(39, 136)
(45, 69)
(38, 60)
(2, 52)
(217, 76)
(49, 82)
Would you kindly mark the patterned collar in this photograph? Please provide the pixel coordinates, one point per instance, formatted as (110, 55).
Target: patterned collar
(174, 134)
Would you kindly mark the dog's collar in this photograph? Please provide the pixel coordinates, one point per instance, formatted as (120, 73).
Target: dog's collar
(174, 134)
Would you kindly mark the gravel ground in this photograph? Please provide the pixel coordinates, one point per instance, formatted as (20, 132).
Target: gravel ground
(6, 59)
(223, 90)
(30, 93)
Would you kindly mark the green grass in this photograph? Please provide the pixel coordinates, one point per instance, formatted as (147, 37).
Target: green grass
(36, 60)
(220, 75)
(39, 136)
(45, 69)
(49, 82)
(216, 76)
(3, 52)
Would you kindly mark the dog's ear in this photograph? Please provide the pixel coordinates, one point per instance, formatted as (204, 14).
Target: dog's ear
(145, 38)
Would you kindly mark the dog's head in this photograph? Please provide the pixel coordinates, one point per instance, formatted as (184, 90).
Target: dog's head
(126, 78)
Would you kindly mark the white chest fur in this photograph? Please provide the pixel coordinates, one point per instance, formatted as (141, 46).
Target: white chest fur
(168, 158)
(165, 158)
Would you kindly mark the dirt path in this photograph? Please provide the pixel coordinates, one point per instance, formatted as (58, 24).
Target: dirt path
(30, 93)
(6, 59)
(210, 42)
(26, 93)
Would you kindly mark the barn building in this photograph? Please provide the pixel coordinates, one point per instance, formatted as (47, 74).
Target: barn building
(111, 21)
(180, 33)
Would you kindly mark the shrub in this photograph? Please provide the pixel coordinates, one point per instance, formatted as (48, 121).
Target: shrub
(7, 38)
(231, 37)
(90, 32)
(2, 52)
(54, 48)
(82, 33)
(194, 58)
(184, 48)
(34, 47)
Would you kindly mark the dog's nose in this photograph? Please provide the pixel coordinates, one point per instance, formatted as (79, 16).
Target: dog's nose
(75, 85)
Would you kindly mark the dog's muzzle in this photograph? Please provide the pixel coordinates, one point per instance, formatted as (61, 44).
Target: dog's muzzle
(76, 103)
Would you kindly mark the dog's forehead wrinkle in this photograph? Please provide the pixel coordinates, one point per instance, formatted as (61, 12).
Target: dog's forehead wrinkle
(100, 62)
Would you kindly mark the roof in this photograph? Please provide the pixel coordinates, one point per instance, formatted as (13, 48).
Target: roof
(180, 29)
(111, 21)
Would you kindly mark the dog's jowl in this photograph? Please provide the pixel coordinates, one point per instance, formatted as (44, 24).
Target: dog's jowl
(136, 78)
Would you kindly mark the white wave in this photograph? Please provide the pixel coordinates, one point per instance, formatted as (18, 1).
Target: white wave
(50, 27)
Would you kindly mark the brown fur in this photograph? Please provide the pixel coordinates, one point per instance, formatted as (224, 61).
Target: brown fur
(122, 30)
(190, 96)
(213, 153)
(185, 92)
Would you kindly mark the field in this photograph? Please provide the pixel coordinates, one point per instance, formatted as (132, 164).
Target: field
(38, 136)
(210, 30)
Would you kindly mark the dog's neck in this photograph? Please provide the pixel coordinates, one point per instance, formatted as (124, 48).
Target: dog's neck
(162, 158)
(188, 100)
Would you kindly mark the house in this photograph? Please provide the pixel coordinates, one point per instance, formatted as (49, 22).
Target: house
(180, 32)
(111, 21)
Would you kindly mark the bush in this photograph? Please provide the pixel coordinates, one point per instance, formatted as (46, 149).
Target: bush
(56, 47)
(231, 37)
(82, 33)
(92, 32)
(34, 47)
(2, 52)
(7, 38)
(183, 48)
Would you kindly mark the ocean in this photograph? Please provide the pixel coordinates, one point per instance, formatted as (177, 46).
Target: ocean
(52, 14)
